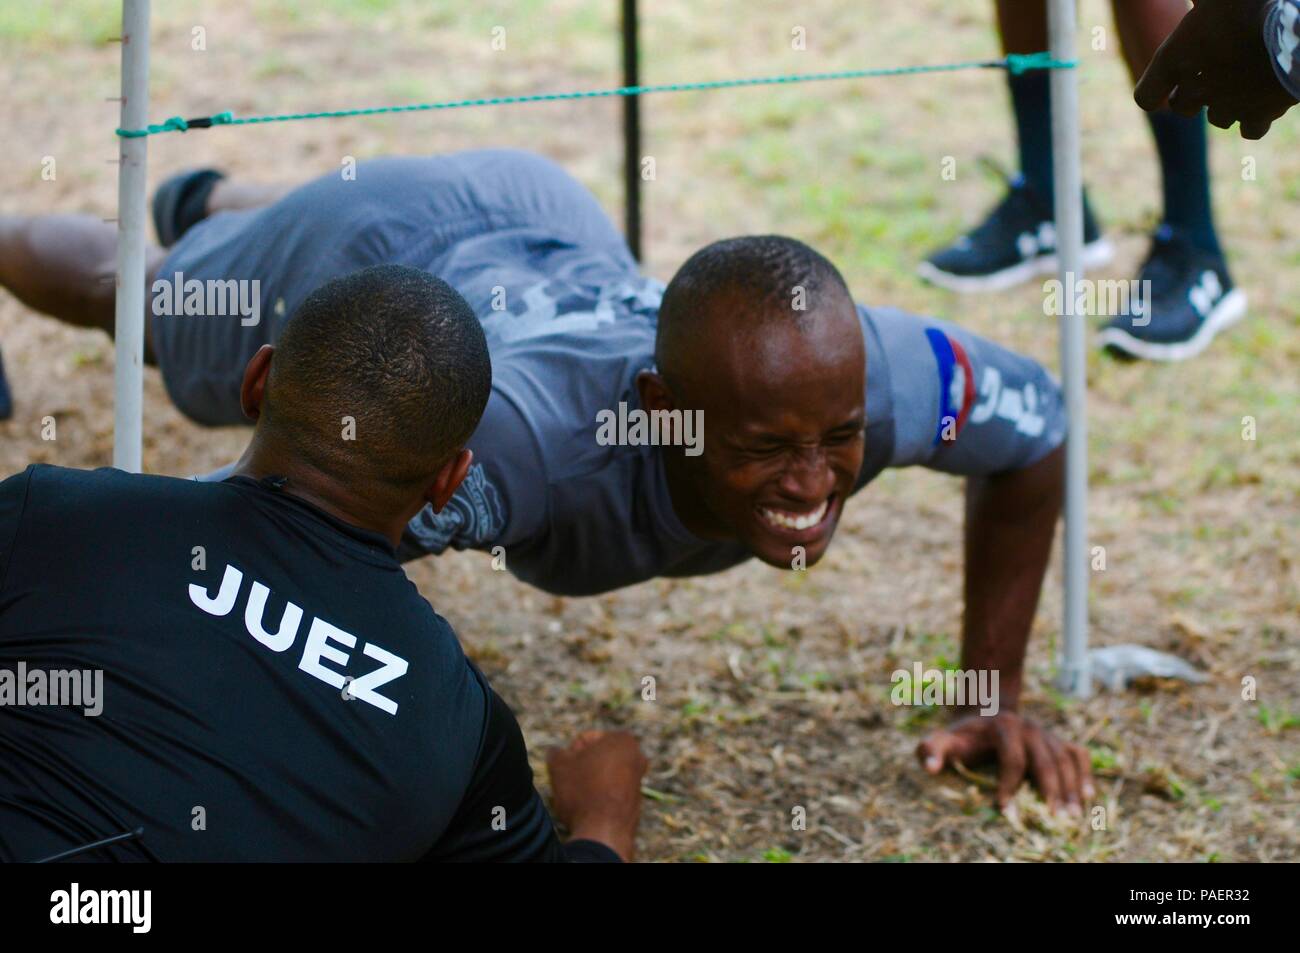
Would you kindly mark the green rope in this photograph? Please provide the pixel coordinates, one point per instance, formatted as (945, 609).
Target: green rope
(1014, 63)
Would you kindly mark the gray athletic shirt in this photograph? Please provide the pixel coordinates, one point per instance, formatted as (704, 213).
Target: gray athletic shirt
(569, 322)
(575, 517)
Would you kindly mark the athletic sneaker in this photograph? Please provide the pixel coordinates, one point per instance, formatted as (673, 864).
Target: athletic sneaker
(181, 203)
(1192, 299)
(6, 402)
(1014, 244)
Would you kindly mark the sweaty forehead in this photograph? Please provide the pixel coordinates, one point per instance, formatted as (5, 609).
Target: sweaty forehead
(761, 371)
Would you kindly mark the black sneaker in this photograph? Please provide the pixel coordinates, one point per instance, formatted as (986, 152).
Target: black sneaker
(6, 402)
(1192, 299)
(181, 203)
(1015, 243)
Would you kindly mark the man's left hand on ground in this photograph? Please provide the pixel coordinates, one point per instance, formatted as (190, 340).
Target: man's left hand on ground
(596, 788)
(1061, 771)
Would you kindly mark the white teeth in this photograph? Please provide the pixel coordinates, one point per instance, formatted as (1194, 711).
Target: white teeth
(795, 520)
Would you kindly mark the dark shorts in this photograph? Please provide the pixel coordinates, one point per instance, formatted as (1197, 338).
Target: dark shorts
(483, 221)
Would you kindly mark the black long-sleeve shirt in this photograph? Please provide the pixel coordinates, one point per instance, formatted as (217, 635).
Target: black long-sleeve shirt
(272, 686)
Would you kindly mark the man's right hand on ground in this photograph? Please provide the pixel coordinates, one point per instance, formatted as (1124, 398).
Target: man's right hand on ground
(1217, 58)
(1061, 770)
(596, 788)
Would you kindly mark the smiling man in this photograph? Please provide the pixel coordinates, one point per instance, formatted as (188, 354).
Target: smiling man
(804, 396)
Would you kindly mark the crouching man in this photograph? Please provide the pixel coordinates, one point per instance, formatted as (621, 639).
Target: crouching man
(273, 687)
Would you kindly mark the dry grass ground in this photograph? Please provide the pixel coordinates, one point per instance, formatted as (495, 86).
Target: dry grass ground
(772, 687)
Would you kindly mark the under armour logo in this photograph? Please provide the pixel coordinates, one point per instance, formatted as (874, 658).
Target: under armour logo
(1047, 236)
(1030, 244)
(1205, 293)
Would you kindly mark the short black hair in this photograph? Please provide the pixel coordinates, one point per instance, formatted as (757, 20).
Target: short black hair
(768, 273)
(397, 351)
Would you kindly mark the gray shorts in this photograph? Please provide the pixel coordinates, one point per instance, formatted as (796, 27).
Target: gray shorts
(482, 220)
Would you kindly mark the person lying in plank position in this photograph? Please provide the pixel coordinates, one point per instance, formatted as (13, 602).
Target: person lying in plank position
(633, 430)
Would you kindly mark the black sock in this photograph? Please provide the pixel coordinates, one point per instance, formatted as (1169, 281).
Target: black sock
(1185, 171)
(1032, 101)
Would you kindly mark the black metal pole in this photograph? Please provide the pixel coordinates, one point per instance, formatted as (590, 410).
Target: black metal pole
(631, 133)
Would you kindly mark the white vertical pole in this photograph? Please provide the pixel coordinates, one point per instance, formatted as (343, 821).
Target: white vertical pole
(1068, 165)
(128, 377)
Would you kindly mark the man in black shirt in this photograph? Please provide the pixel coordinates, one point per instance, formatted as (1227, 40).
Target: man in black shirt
(241, 670)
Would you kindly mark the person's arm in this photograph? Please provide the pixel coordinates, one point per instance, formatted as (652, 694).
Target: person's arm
(1010, 523)
(966, 406)
(1236, 57)
(502, 818)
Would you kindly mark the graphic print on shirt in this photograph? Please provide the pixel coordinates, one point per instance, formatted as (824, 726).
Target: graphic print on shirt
(320, 646)
(475, 515)
(560, 305)
(956, 385)
(959, 404)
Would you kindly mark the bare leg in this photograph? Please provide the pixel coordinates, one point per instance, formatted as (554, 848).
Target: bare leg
(1143, 25)
(65, 266)
(1023, 25)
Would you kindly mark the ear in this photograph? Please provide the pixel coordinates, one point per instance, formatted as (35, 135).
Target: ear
(654, 392)
(253, 387)
(448, 480)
